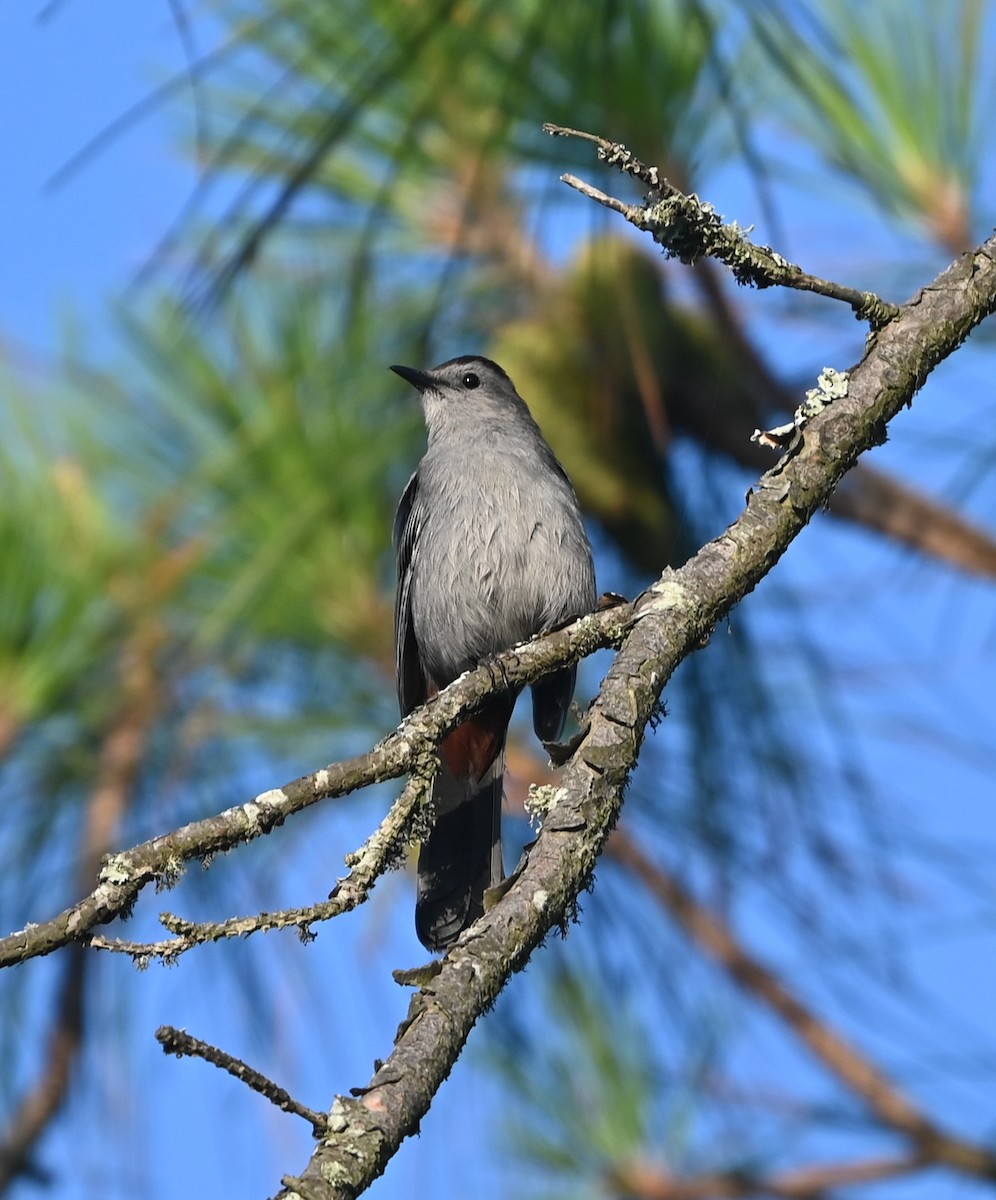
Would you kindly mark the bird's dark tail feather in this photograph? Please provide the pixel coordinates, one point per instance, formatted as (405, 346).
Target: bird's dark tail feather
(461, 858)
(552, 702)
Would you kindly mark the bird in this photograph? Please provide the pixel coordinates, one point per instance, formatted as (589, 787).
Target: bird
(491, 550)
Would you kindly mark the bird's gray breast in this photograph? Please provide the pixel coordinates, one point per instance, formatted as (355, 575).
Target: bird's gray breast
(502, 555)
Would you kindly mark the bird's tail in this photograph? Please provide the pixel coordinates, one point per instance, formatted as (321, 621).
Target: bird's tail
(461, 858)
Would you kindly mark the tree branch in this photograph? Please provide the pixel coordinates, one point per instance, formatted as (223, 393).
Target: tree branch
(867, 495)
(410, 748)
(807, 1183)
(180, 1043)
(690, 229)
(859, 1074)
(671, 619)
(378, 854)
(119, 761)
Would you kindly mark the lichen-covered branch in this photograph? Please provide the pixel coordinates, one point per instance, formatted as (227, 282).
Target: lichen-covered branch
(689, 229)
(671, 619)
(409, 749)
(385, 846)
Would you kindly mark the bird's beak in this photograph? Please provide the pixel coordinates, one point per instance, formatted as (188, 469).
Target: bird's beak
(418, 379)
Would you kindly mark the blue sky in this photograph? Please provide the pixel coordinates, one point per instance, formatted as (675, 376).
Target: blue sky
(68, 249)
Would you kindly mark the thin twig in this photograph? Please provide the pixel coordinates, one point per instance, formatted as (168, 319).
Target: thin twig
(381, 851)
(180, 1043)
(689, 229)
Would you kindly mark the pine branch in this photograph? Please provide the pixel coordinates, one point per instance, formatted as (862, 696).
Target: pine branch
(806, 1183)
(865, 1080)
(119, 764)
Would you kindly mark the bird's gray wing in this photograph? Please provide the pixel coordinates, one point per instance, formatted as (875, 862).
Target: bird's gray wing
(408, 665)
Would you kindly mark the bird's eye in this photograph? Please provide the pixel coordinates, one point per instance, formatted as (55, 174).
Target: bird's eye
(470, 380)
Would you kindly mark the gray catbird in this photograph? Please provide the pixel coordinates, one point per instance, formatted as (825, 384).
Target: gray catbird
(491, 550)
